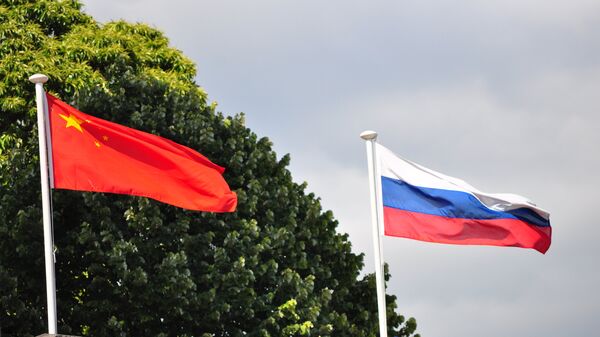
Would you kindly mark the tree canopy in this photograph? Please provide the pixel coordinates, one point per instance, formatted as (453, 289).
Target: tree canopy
(130, 266)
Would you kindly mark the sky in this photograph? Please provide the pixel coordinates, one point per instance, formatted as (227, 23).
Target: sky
(504, 94)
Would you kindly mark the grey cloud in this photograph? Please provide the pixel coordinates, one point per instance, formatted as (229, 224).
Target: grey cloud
(503, 94)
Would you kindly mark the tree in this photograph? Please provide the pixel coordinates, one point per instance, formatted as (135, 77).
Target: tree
(129, 266)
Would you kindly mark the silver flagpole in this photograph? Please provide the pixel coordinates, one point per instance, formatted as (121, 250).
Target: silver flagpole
(42, 114)
(377, 223)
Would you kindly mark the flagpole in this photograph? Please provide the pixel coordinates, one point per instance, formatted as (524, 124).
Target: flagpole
(377, 224)
(42, 114)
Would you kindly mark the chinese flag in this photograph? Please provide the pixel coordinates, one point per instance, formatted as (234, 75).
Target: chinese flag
(91, 154)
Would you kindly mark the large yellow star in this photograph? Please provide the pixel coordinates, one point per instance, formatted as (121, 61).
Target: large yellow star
(72, 121)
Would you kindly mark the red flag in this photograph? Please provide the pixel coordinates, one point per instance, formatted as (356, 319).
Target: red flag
(91, 154)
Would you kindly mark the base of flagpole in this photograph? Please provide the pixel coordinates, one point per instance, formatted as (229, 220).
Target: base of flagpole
(55, 335)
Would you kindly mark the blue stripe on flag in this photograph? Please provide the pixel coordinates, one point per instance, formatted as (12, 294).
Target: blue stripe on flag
(452, 204)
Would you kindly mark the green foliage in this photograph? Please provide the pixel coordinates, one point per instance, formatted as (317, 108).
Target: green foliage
(129, 266)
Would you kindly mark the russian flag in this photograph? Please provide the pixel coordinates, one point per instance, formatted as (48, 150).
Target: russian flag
(425, 205)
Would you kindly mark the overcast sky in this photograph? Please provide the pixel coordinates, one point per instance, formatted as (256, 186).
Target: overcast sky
(504, 94)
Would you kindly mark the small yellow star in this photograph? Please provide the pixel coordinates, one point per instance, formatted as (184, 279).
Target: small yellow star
(97, 143)
(72, 121)
(105, 138)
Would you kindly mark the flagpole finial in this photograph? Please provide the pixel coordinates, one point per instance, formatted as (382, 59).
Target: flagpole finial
(368, 135)
(38, 78)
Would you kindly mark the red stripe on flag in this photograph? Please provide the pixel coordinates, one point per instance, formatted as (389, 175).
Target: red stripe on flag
(496, 232)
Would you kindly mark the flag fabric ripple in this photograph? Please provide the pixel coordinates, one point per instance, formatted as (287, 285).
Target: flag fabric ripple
(422, 204)
(91, 154)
